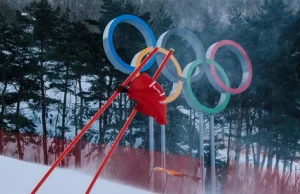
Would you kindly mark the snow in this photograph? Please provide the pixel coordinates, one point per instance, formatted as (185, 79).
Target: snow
(17, 177)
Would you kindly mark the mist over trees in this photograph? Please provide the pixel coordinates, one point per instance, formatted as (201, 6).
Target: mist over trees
(55, 75)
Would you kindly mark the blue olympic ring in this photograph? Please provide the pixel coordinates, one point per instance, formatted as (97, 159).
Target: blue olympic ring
(109, 47)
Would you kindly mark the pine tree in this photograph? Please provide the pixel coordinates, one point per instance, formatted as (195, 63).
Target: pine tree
(289, 101)
(264, 104)
(59, 73)
(86, 62)
(24, 80)
(269, 26)
(44, 20)
(18, 71)
(5, 34)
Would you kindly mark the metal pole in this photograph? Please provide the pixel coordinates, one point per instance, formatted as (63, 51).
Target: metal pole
(201, 149)
(151, 149)
(164, 190)
(151, 134)
(163, 151)
(163, 138)
(212, 154)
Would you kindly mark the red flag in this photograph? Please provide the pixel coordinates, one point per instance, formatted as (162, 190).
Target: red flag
(150, 97)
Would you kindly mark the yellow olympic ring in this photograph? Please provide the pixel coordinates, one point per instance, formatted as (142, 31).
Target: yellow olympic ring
(177, 87)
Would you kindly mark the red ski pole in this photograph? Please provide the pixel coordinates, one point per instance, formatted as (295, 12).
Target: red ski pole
(124, 128)
(95, 117)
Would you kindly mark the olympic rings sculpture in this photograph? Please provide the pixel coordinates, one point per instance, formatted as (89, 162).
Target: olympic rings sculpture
(204, 63)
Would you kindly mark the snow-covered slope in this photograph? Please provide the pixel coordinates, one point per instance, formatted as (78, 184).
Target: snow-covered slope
(18, 177)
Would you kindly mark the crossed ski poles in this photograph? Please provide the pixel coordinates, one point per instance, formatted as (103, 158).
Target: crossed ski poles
(97, 115)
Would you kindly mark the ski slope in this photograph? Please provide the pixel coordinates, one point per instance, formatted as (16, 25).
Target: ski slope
(18, 177)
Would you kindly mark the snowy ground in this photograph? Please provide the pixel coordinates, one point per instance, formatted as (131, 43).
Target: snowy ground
(18, 177)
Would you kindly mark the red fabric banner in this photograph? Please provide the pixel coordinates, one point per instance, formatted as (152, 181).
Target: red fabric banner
(150, 97)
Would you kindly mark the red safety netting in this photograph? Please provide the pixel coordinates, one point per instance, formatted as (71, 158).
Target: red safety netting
(255, 180)
(127, 165)
(133, 167)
